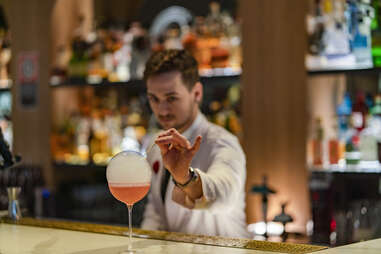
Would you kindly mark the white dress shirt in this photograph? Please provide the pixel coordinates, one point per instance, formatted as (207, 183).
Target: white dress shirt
(221, 165)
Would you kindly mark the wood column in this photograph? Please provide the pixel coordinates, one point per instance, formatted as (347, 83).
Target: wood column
(30, 23)
(274, 106)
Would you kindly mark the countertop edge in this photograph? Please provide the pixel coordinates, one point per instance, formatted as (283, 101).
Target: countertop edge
(168, 236)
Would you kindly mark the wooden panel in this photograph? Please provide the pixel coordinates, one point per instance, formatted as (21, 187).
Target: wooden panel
(274, 105)
(30, 26)
(41, 26)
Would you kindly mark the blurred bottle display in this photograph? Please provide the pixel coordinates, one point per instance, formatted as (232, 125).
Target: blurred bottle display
(339, 34)
(116, 54)
(5, 81)
(356, 137)
(105, 124)
(96, 132)
(5, 51)
(225, 112)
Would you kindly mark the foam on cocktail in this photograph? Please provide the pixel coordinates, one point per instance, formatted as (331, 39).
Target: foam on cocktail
(128, 169)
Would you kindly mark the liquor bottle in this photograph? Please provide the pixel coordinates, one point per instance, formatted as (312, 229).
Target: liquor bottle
(214, 20)
(343, 112)
(99, 145)
(360, 18)
(376, 109)
(317, 144)
(376, 115)
(368, 141)
(352, 153)
(335, 37)
(334, 148)
(79, 59)
(82, 134)
(376, 33)
(359, 112)
(113, 124)
(189, 40)
(140, 51)
(316, 30)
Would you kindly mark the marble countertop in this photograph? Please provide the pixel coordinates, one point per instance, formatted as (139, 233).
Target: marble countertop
(366, 247)
(54, 236)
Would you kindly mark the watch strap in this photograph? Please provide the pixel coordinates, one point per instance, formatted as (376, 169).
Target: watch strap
(192, 178)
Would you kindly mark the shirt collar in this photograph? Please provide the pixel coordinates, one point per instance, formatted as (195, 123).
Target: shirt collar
(189, 133)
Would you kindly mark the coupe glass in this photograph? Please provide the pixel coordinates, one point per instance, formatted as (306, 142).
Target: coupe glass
(129, 177)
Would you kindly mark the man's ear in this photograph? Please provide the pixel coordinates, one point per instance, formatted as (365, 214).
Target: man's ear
(198, 92)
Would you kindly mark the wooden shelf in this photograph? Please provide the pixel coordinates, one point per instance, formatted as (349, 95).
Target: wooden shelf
(375, 70)
(81, 81)
(139, 84)
(78, 81)
(82, 167)
(346, 170)
(5, 89)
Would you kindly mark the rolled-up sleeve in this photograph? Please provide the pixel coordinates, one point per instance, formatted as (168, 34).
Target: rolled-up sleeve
(225, 177)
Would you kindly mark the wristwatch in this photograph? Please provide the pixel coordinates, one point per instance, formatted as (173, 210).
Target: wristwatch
(192, 178)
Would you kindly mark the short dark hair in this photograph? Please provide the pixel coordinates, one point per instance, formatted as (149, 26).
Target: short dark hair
(173, 60)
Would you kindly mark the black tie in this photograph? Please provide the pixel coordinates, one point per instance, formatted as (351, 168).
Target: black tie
(164, 184)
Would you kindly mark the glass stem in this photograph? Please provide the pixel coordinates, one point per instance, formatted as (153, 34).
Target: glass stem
(130, 226)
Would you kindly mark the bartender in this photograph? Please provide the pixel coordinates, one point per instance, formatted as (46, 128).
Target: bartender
(199, 168)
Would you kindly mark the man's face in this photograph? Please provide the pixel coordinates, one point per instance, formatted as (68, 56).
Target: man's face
(172, 103)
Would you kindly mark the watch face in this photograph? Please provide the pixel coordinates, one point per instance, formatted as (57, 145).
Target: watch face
(194, 174)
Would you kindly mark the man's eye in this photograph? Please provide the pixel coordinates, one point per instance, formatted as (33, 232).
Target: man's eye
(153, 99)
(171, 99)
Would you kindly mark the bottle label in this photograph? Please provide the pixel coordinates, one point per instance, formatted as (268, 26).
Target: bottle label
(317, 152)
(333, 152)
(357, 119)
(353, 158)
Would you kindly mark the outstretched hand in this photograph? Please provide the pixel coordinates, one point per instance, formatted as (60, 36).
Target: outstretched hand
(177, 153)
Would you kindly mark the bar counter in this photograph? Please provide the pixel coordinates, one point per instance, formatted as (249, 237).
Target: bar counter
(30, 235)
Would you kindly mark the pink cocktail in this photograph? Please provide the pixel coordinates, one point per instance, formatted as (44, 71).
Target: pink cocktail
(129, 176)
(129, 194)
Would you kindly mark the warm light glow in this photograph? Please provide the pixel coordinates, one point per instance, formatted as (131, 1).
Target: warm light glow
(259, 228)
(310, 228)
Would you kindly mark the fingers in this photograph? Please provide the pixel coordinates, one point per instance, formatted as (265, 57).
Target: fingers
(183, 141)
(168, 143)
(163, 146)
(196, 144)
(173, 139)
(167, 132)
(173, 136)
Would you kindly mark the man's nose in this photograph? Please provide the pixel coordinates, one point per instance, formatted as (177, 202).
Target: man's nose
(164, 107)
